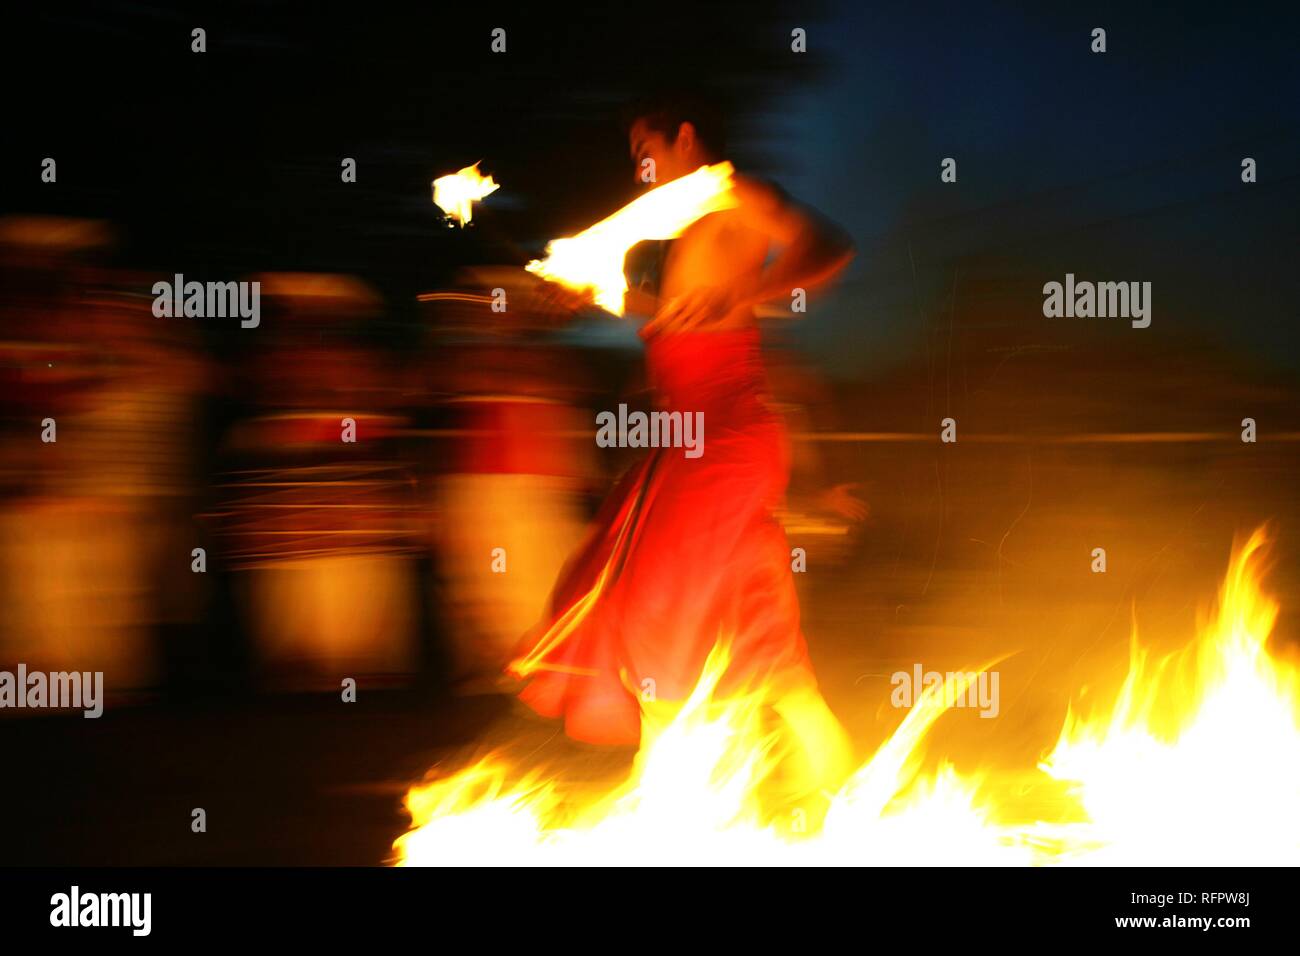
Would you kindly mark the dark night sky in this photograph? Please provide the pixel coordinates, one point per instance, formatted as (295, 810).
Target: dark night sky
(1123, 165)
(1126, 164)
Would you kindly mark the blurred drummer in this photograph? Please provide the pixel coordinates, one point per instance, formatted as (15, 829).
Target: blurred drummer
(510, 468)
(96, 530)
(315, 516)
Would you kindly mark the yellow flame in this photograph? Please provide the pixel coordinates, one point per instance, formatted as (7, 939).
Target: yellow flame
(1197, 761)
(694, 797)
(456, 193)
(593, 259)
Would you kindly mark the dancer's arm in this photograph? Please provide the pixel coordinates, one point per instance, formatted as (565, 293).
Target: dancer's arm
(812, 251)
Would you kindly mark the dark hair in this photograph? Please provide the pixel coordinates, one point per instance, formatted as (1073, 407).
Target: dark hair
(666, 111)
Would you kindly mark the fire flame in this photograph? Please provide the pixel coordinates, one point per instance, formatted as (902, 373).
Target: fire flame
(593, 259)
(1198, 760)
(456, 193)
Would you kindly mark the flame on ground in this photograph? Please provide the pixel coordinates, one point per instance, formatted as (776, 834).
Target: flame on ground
(456, 193)
(593, 259)
(1198, 760)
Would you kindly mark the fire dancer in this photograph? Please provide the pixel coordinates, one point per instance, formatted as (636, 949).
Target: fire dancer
(687, 552)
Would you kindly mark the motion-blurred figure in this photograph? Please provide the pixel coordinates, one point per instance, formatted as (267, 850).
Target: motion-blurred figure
(821, 517)
(687, 552)
(96, 532)
(316, 511)
(508, 472)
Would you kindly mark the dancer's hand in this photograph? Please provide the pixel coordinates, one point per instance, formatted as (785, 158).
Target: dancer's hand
(556, 298)
(842, 501)
(699, 307)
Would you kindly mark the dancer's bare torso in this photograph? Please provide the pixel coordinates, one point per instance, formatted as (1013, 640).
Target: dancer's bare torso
(723, 251)
(721, 267)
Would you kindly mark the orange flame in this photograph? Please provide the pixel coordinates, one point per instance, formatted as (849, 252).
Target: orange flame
(1197, 761)
(456, 193)
(593, 259)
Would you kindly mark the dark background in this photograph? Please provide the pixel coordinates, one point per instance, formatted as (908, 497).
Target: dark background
(1119, 165)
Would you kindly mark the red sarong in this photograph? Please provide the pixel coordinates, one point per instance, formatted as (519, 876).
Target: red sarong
(686, 552)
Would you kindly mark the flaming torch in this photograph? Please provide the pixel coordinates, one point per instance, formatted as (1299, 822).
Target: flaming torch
(593, 259)
(456, 193)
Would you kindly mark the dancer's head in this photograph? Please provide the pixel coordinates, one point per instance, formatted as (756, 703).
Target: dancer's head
(673, 134)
